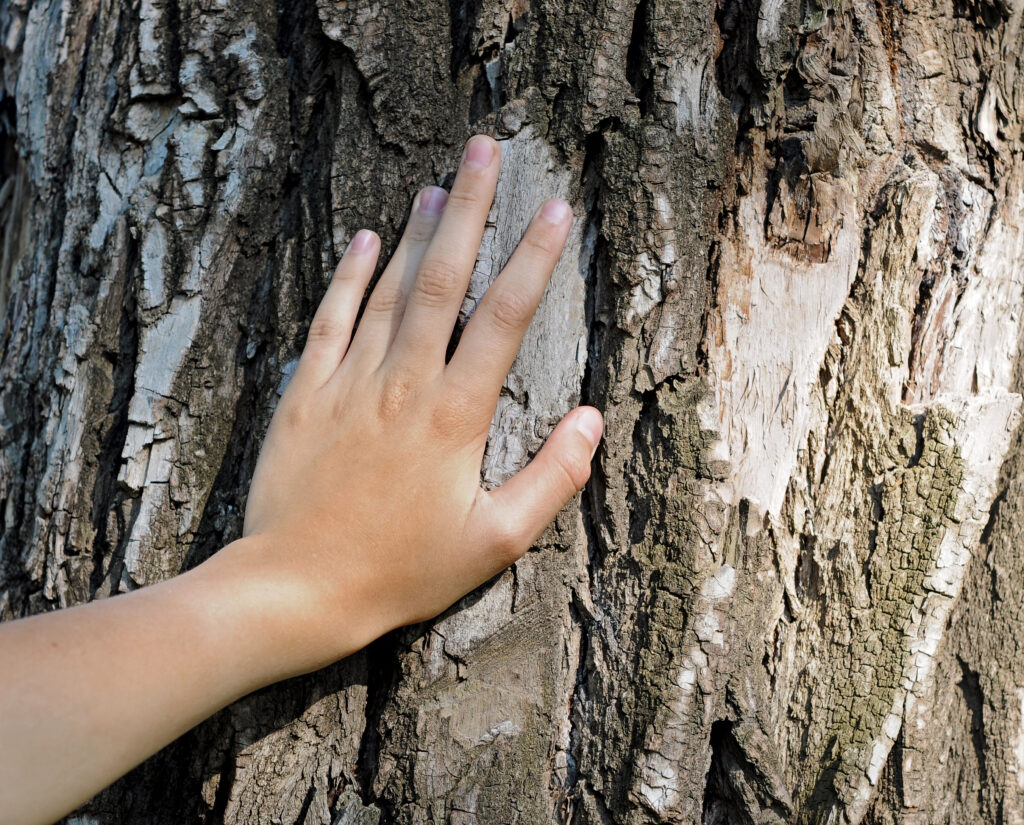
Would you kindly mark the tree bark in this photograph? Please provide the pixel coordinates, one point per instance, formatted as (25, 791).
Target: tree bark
(791, 591)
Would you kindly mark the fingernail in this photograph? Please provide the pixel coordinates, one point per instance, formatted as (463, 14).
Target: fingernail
(479, 151)
(432, 200)
(591, 424)
(556, 210)
(362, 241)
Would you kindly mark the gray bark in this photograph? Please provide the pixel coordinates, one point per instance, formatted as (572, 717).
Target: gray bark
(791, 591)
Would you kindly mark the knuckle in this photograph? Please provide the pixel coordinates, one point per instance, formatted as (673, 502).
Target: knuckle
(345, 274)
(295, 416)
(543, 244)
(574, 471)
(454, 413)
(465, 198)
(395, 392)
(420, 228)
(325, 329)
(385, 299)
(510, 311)
(436, 281)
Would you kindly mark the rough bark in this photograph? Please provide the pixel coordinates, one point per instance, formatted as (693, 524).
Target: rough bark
(792, 590)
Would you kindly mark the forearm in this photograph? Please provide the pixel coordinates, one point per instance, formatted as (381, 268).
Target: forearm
(365, 511)
(89, 692)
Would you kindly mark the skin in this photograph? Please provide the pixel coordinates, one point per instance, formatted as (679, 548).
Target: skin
(365, 512)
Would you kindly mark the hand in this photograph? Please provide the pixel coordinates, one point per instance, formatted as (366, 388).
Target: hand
(366, 505)
(365, 513)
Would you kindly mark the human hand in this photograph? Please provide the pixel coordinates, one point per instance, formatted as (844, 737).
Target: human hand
(365, 513)
(366, 505)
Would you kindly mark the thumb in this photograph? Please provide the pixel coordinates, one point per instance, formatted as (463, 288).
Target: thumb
(529, 501)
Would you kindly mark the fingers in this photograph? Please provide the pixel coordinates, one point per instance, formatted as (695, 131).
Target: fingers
(444, 273)
(386, 305)
(492, 337)
(525, 504)
(331, 328)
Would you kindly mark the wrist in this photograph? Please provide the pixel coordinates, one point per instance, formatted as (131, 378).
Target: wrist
(281, 621)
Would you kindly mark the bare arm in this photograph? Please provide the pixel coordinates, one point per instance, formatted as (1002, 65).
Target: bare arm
(365, 513)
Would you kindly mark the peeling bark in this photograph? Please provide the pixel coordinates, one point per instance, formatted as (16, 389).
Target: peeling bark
(791, 591)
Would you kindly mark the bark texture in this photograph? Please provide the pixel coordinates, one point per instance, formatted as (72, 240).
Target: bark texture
(792, 591)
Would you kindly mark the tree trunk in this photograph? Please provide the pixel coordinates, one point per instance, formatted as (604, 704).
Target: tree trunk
(791, 591)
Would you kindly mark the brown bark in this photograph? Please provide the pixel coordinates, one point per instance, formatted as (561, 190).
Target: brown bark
(792, 590)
